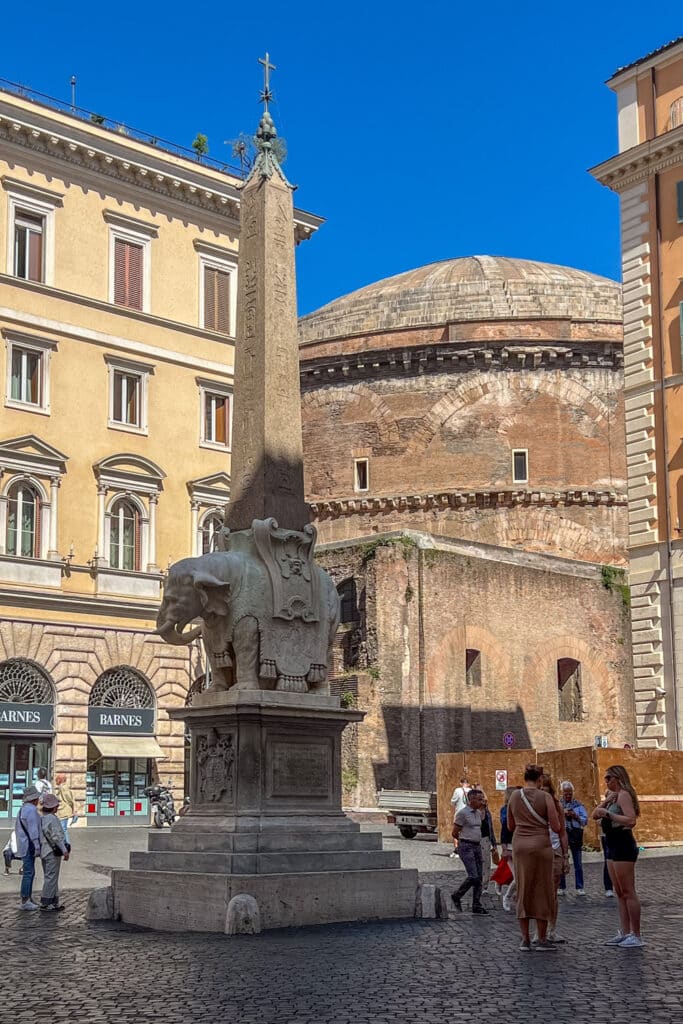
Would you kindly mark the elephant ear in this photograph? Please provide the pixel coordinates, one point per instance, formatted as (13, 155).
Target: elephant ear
(213, 593)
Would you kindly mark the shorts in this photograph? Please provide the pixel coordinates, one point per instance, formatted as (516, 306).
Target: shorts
(621, 847)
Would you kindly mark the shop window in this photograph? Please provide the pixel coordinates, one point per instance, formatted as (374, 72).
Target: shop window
(124, 547)
(24, 682)
(29, 234)
(569, 690)
(472, 667)
(121, 687)
(520, 467)
(361, 475)
(210, 531)
(348, 599)
(23, 521)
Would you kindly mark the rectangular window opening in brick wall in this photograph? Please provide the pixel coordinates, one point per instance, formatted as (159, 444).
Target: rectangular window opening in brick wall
(472, 667)
(361, 475)
(569, 690)
(520, 466)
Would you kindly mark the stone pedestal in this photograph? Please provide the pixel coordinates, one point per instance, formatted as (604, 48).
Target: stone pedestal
(265, 821)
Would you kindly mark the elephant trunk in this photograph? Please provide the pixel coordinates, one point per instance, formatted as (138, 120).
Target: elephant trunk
(173, 635)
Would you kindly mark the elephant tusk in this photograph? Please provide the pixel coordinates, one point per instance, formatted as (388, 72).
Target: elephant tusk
(175, 636)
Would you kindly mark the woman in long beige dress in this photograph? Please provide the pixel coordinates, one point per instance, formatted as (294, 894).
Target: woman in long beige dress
(531, 812)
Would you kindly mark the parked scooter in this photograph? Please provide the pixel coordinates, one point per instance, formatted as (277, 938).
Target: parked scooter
(163, 807)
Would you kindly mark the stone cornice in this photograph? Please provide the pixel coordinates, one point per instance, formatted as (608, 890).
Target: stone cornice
(335, 508)
(86, 604)
(639, 162)
(170, 181)
(462, 358)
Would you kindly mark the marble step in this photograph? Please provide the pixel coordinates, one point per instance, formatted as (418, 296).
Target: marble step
(171, 841)
(265, 863)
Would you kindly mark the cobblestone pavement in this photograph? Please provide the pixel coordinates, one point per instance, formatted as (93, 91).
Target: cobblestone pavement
(59, 968)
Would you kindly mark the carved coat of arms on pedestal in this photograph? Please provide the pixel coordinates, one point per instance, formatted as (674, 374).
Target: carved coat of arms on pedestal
(215, 760)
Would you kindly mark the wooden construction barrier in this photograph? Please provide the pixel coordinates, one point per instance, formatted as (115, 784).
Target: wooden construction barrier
(657, 776)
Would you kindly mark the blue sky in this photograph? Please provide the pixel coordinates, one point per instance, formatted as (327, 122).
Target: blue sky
(420, 132)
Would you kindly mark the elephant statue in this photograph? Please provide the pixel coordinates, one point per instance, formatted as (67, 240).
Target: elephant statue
(248, 645)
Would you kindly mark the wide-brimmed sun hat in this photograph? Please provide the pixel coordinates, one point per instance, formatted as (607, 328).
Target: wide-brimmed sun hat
(30, 794)
(50, 802)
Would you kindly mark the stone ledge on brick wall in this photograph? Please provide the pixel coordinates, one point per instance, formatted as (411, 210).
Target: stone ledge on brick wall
(464, 499)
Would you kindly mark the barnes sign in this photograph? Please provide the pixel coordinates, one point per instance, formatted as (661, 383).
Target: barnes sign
(26, 717)
(121, 721)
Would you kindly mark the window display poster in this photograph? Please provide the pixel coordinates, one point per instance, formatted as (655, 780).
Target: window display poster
(4, 780)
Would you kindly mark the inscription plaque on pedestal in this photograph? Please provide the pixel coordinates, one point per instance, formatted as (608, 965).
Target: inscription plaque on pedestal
(299, 769)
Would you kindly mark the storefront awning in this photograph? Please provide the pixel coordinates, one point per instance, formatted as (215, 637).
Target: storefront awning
(128, 746)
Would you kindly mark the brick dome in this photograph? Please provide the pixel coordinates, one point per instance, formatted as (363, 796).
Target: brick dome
(468, 288)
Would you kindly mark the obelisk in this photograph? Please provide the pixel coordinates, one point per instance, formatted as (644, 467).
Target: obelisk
(267, 457)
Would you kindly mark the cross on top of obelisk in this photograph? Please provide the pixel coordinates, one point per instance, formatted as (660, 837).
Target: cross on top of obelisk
(266, 94)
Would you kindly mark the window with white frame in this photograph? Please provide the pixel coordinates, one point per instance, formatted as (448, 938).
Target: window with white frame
(210, 528)
(128, 394)
(217, 288)
(520, 465)
(215, 413)
(30, 234)
(130, 250)
(361, 475)
(28, 361)
(124, 535)
(23, 520)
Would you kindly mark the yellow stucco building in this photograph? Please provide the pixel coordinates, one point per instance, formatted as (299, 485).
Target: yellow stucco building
(647, 173)
(118, 285)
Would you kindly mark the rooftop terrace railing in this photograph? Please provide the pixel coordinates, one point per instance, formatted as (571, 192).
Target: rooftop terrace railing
(119, 128)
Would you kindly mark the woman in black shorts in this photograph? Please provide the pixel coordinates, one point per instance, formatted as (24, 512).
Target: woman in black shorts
(617, 815)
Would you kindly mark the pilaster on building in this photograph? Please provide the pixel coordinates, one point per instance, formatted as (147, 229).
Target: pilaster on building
(647, 173)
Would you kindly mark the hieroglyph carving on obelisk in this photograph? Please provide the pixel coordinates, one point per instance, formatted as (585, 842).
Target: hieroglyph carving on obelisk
(268, 612)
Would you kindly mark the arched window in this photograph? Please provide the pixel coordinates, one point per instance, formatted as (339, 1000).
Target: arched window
(569, 690)
(121, 687)
(348, 598)
(124, 546)
(210, 529)
(24, 682)
(676, 113)
(23, 520)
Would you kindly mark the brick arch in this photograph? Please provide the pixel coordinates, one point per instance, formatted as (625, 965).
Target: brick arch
(535, 529)
(598, 688)
(383, 416)
(472, 390)
(452, 647)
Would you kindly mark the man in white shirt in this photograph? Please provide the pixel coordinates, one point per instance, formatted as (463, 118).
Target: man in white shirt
(467, 831)
(458, 801)
(42, 783)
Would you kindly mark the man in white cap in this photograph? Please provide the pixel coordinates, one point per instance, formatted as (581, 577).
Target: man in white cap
(27, 830)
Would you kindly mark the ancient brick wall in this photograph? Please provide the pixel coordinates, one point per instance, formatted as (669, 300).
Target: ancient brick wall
(423, 608)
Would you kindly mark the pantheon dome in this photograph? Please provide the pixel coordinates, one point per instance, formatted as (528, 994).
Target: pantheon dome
(478, 398)
(468, 288)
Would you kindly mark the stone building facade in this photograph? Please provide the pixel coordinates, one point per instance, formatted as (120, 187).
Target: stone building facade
(647, 174)
(475, 407)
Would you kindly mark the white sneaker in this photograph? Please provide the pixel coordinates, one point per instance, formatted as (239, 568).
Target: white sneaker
(454, 854)
(507, 904)
(609, 894)
(580, 892)
(561, 892)
(631, 942)
(498, 889)
(29, 905)
(618, 938)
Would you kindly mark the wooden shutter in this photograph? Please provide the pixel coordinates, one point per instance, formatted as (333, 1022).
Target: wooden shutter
(138, 540)
(128, 259)
(33, 368)
(216, 300)
(35, 254)
(221, 420)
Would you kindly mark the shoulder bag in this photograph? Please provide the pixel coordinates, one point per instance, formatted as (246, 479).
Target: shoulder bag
(535, 814)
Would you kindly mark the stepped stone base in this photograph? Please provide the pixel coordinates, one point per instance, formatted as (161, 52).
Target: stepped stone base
(265, 822)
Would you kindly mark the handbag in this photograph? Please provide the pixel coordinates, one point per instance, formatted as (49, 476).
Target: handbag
(495, 856)
(535, 814)
(503, 873)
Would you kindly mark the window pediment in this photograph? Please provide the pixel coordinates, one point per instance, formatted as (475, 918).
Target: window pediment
(210, 490)
(130, 472)
(31, 454)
